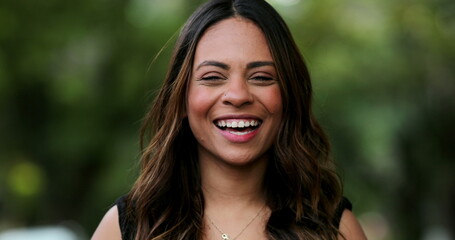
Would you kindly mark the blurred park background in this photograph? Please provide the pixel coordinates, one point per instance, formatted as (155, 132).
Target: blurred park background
(76, 78)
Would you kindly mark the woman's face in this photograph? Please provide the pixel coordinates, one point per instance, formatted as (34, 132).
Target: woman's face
(234, 102)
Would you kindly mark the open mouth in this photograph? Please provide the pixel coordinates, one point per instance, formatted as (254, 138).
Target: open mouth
(238, 127)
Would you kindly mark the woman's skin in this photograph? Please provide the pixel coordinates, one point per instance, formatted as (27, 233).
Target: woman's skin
(233, 81)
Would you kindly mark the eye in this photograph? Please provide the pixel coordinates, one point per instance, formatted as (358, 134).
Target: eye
(262, 78)
(211, 78)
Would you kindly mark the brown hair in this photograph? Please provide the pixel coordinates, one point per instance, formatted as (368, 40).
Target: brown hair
(303, 189)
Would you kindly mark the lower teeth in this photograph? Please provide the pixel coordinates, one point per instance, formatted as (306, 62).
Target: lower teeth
(240, 133)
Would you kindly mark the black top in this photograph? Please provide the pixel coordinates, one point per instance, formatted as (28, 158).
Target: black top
(127, 227)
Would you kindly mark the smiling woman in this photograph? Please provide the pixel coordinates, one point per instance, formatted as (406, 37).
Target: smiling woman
(233, 81)
(234, 150)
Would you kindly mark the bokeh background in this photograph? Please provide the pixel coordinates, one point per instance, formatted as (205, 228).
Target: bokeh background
(76, 78)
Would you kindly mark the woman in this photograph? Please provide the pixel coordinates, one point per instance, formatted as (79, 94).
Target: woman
(235, 152)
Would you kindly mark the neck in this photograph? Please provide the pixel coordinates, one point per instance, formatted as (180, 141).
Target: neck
(234, 199)
(228, 186)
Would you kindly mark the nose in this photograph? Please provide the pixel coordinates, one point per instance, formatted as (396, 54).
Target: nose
(237, 93)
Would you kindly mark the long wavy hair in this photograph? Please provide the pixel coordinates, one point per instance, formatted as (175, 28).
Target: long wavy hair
(303, 189)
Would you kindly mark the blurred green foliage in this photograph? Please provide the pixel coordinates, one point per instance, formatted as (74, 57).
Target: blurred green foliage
(77, 77)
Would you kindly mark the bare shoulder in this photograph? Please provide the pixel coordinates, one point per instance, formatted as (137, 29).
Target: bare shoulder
(350, 227)
(109, 228)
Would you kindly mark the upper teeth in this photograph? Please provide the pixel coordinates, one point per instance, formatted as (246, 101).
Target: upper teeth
(237, 124)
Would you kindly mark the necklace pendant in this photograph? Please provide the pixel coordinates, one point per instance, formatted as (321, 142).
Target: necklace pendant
(224, 236)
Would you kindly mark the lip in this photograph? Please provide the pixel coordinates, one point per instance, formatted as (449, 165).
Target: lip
(236, 138)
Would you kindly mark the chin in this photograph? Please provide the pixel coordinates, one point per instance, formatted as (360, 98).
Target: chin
(244, 161)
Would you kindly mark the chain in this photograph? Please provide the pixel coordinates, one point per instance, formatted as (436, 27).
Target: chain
(224, 236)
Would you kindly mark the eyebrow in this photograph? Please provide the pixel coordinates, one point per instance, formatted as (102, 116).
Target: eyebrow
(227, 67)
(213, 63)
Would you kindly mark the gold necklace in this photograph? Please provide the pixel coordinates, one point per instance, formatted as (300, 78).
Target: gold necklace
(224, 236)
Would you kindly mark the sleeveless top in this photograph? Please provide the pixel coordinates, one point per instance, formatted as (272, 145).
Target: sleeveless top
(127, 227)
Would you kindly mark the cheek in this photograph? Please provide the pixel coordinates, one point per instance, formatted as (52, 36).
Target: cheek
(273, 101)
(198, 103)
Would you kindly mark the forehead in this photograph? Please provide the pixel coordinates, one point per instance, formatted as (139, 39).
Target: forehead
(234, 38)
(233, 25)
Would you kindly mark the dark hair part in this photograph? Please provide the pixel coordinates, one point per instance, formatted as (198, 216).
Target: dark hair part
(303, 189)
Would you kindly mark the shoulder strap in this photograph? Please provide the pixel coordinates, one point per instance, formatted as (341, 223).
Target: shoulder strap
(126, 224)
(344, 204)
